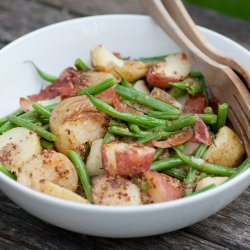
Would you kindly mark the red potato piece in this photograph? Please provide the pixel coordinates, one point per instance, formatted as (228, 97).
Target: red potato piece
(176, 67)
(114, 190)
(162, 187)
(174, 140)
(195, 104)
(128, 160)
(165, 97)
(201, 132)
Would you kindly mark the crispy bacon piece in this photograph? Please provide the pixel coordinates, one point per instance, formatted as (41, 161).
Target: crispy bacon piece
(195, 104)
(63, 88)
(173, 140)
(162, 187)
(126, 160)
(201, 132)
(109, 96)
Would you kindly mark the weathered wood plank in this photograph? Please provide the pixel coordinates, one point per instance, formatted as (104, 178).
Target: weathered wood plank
(239, 209)
(21, 16)
(216, 232)
(10, 245)
(223, 24)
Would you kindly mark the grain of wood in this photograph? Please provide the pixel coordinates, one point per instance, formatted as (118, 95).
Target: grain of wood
(223, 24)
(228, 229)
(21, 16)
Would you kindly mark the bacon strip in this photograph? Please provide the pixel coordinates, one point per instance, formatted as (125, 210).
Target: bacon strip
(195, 104)
(201, 132)
(174, 140)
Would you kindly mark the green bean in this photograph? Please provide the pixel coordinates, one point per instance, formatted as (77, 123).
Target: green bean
(42, 120)
(133, 118)
(80, 65)
(166, 163)
(45, 144)
(108, 138)
(93, 90)
(116, 123)
(176, 93)
(124, 82)
(195, 74)
(15, 113)
(176, 173)
(200, 151)
(208, 110)
(133, 94)
(153, 59)
(41, 110)
(158, 152)
(162, 115)
(30, 116)
(7, 172)
(202, 176)
(208, 118)
(201, 165)
(180, 123)
(178, 85)
(195, 86)
(135, 128)
(144, 186)
(204, 189)
(158, 135)
(125, 132)
(45, 76)
(191, 175)
(192, 85)
(222, 116)
(192, 172)
(26, 124)
(243, 167)
(82, 173)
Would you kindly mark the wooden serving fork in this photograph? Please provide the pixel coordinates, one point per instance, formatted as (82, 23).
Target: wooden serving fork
(179, 13)
(224, 84)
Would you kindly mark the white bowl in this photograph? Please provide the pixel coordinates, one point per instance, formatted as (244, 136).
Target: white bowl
(55, 47)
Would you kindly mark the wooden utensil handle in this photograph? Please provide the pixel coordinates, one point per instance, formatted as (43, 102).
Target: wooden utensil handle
(179, 13)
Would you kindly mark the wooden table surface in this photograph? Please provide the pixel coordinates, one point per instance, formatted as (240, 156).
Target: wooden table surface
(228, 229)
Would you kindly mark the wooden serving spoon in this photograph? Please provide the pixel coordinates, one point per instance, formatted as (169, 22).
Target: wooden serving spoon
(179, 13)
(224, 84)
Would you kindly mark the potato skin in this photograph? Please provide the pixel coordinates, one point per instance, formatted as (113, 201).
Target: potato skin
(162, 187)
(49, 166)
(105, 61)
(75, 121)
(113, 190)
(126, 159)
(18, 146)
(226, 150)
(51, 189)
(176, 67)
